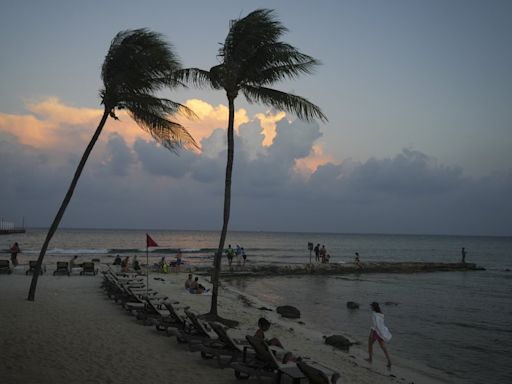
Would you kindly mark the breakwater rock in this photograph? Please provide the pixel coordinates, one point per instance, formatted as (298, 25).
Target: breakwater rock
(350, 268)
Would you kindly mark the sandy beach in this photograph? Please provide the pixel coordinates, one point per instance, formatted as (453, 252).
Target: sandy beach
(73, 333)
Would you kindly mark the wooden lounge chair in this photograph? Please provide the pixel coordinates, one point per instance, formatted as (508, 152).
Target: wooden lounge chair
(265, 364)
(62, 268)
(5, 267)
(316, 373)
(194, 332)
(226, 349)
(32, 267)
(88, 268)
(173, 320)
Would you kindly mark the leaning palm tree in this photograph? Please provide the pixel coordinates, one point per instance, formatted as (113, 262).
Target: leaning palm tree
(253, 58)
(138, 64)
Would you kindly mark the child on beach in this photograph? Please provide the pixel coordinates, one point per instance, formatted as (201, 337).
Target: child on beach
(378, 332)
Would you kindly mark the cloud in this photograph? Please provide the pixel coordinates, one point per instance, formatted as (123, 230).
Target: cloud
(286, 184)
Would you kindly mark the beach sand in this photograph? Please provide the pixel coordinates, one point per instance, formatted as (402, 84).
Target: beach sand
(73, 333)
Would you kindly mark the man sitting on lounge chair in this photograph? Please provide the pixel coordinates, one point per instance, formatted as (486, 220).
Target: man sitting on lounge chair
(263, 326)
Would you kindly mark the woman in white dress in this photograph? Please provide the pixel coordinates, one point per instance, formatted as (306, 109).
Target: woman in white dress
(378, 332)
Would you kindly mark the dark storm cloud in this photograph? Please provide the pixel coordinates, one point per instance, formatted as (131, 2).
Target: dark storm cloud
(148, 186)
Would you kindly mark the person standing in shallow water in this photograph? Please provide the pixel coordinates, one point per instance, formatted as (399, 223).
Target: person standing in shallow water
(463, 254)
(15, 249)
(378, 332)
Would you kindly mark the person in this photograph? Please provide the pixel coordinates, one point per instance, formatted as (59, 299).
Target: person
(283, 355)
(264, 326)
(323, 252)
(117, 260)
(238, 256)
(135, 264)
(162, 265)
(357, 260)
(463, 253)
(15, 249)
(230, 253)
(124, 264)
(196, 287)
(189, 281)
(244, 256)
(317, 252)
(378, 332)
(178, 260)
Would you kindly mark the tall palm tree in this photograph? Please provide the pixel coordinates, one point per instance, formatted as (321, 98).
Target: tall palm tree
(138, 64)
(253, 58)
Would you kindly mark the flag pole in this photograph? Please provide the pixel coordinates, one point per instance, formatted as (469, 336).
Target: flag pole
(147, 268)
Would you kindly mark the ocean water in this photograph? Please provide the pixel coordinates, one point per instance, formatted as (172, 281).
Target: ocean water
(456, 322)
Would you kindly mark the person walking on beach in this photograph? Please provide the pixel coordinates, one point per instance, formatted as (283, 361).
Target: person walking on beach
(15, 249)
(463, 254)
(378, 332)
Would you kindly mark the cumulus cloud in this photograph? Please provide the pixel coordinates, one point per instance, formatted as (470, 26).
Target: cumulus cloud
(286, 183)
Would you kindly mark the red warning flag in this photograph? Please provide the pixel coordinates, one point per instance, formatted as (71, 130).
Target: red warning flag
(150, 242)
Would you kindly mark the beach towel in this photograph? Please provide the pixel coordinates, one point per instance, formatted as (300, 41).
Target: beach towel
(380, 327)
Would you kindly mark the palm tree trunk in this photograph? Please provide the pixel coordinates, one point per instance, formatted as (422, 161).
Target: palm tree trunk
(227, 207)
(65, 202)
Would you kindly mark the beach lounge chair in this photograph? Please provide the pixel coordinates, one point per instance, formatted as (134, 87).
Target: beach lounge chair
(5, 267)
(316, 373)
(88, 268)
(265, 364)
(194, 332)
(173, 320)
(226, 349)
(32, 267)
(62, 268)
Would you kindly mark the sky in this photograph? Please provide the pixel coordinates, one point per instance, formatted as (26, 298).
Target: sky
(418, 98)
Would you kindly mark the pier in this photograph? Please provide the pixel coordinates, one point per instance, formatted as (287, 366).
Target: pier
(7, 228)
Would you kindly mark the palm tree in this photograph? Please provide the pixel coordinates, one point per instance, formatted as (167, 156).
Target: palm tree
(253, 58)
(138, 64)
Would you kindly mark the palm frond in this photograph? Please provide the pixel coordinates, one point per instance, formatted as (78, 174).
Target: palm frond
(297, 105)
(195, 76)
(168, 133)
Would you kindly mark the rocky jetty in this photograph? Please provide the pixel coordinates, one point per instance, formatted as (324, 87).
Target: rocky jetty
(350, 268)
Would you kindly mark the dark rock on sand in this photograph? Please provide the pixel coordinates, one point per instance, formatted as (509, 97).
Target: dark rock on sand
(352, 305)
(338, 341)
(288, 311)
(265, 309)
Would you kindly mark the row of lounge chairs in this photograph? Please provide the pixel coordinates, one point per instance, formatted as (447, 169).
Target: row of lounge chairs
(87, 268)
(247, 357)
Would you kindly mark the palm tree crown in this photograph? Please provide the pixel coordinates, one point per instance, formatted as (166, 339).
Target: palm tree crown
(138, 64)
